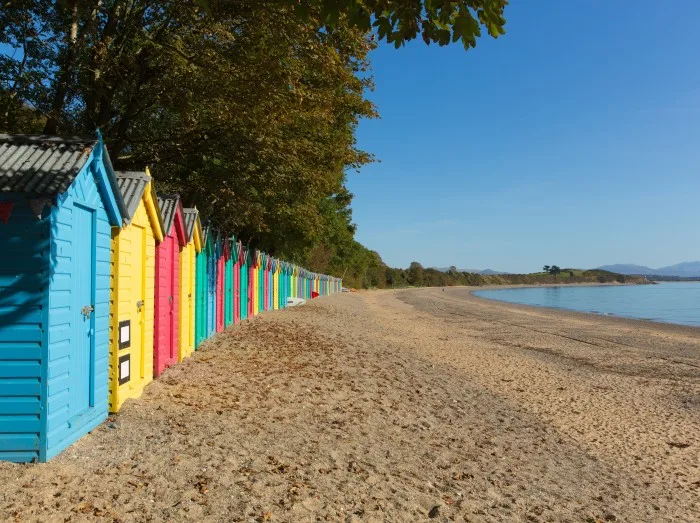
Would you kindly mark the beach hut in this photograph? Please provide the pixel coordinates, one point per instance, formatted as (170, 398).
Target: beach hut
(280, 284)
(281, 277)
(202, 287)
(244, 276)
(228, 283)
(132, 289)
(266, 281)
(260, 297)
(271, 283)
(236, 259)
(220, 282)
(275, 284)
(167, 289)
(249, 282)
(58, 202)
(287, 284)
(188, 282)
(212, 263)
(253, 283)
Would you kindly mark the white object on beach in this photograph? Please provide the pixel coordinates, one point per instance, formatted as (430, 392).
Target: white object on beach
(291, 302)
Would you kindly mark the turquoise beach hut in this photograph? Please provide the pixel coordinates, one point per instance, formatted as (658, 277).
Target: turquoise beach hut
(243, 279)
(59, 200)
(202, 309)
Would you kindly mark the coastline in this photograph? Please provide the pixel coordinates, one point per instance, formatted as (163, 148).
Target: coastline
(676, 327)
(384, 405)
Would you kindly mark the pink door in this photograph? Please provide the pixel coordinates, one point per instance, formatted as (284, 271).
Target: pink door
(174, 302)
(220, 293)
(162, 341)
(251, 283)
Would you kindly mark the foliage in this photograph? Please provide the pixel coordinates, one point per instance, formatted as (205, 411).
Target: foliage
(398, 21)
(418, 276)
(247, 108)
(244, 110)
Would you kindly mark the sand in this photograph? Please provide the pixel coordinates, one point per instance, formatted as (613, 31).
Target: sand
(408, 405)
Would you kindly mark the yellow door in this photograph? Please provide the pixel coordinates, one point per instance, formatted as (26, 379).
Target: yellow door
(136, 306)
(193, 274)
(185, 302)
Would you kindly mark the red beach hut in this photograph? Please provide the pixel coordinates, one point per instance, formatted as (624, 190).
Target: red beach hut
(165, 340)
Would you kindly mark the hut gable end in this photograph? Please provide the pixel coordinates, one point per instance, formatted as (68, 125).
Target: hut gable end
(67, 420)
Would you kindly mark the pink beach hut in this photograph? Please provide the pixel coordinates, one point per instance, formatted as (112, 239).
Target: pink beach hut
(167, 291)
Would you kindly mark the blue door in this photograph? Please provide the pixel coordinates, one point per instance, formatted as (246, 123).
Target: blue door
(81, 358)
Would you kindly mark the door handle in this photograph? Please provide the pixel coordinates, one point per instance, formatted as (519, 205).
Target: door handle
(87, 310)
(170, 299)
(139, 304)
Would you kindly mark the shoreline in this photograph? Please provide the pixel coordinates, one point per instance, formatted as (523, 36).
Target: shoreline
(675, 327)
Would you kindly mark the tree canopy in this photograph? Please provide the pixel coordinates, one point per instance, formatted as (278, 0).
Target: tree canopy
(248, 109)
(398, 21)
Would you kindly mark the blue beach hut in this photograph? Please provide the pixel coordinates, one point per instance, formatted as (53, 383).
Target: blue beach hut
(212, 262)
(58, 202)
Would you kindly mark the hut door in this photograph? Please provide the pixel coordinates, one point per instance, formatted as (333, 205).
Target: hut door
(173, 295)
(138, 295)
(81, 361)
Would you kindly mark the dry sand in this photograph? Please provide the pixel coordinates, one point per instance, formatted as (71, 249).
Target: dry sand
(382, 406)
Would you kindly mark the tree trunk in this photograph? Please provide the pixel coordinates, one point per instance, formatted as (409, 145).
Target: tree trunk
(61, 90)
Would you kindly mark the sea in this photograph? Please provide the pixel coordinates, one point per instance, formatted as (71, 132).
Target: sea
(667, 302)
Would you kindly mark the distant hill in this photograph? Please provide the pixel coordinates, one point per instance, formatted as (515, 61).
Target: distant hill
(472, 271)
(681, 270)
(418, 276)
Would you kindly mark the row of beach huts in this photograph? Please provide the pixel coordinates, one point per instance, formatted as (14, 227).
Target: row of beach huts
(104, 284)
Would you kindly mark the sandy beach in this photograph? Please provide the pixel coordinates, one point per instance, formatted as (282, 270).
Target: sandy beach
(409, 405)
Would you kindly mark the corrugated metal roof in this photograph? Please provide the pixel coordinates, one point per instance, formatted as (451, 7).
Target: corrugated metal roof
(41, 165)
(190, 222)
(131, 186)
(168, 205)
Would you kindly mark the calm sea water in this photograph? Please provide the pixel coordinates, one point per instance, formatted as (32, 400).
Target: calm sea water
(665, 302)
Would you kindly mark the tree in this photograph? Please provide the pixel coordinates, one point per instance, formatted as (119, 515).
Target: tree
(398, 21)
(247, 108)
(247, 111)
(554, 270)
(546, 268)
(415, 274)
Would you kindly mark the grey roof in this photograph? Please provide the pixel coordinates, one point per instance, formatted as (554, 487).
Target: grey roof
(131, 186)
(41, 165)
(168, 204)
(190, 222)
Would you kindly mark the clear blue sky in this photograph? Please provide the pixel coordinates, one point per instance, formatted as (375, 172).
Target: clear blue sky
(572, 140)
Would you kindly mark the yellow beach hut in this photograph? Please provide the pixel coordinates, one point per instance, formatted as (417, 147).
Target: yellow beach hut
(132, 289)
(188, 273)
(254, 283)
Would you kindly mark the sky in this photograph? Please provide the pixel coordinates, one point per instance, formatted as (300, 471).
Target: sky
(572, 140)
